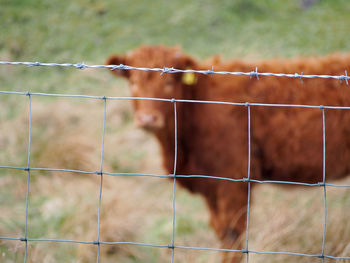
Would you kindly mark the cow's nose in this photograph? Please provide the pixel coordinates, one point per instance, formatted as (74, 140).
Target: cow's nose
(148, 120)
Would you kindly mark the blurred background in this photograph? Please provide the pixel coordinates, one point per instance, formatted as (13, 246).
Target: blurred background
(67, 133)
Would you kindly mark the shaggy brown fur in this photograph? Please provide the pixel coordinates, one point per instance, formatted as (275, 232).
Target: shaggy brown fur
(213, 139)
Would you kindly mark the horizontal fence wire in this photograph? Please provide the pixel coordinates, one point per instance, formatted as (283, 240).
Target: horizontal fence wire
(245, 180)
(180, 100)
(173, 176)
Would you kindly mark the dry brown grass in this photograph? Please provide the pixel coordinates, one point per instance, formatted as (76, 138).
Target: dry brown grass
(292, 220)
(67, 134)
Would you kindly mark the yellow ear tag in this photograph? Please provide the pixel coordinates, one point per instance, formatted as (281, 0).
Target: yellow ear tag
(189, 78)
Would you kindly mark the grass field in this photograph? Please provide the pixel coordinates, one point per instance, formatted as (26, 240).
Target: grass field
(66, 133)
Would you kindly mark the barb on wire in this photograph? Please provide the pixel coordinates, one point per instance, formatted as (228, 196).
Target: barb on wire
(299, 76)
(210, 71)
(255, 73)
(344, 77)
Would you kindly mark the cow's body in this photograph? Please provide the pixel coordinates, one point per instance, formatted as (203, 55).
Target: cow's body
(286, 143)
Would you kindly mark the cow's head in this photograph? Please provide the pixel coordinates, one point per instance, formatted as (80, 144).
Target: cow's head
(155, 115)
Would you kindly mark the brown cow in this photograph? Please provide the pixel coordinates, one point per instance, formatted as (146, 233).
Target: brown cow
(286, 143)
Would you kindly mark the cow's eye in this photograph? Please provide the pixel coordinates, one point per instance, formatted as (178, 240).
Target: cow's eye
(134, 88)
(168, 89)
(169, 86)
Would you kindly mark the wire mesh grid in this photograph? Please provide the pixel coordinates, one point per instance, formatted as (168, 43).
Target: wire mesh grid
(246, 251)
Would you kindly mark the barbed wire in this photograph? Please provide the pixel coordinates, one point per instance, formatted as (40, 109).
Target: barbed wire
(246, 251)
(172, 70)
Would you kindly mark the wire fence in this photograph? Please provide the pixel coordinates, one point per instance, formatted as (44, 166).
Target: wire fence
(246, 251)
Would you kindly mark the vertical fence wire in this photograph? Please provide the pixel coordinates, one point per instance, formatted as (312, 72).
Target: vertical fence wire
(324, 180)
(248, 177)
(28, 177)
(174, 182)
(101, 180)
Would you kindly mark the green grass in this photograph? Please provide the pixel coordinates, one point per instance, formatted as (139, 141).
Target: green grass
(89, 31)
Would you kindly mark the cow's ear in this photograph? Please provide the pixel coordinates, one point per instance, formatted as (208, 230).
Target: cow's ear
(117, 60)
(187, 62)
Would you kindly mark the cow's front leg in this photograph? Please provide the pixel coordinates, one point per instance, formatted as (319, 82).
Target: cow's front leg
(229, 215)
